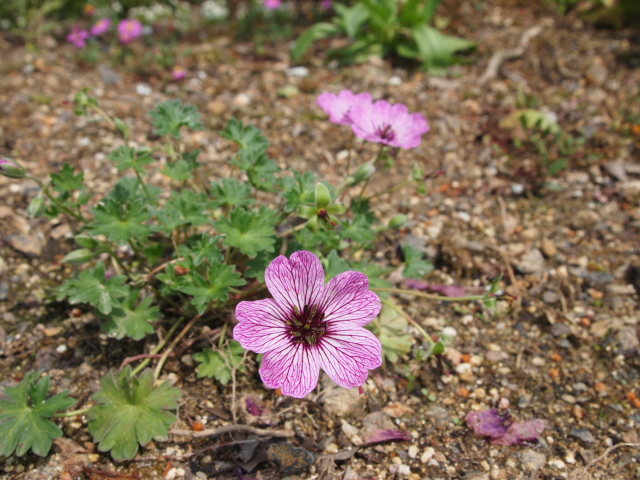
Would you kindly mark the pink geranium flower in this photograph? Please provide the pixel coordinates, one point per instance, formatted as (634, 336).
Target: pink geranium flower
(102, 26)
(327, 4)
(338, 106)
(308, 326)
(129, 30)
(78, 37)
(392, 125)
(272, 4)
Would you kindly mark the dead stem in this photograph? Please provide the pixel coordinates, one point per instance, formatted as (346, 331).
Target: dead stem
(211, 432)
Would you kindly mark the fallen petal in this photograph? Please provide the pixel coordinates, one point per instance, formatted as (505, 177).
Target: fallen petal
(490, 423)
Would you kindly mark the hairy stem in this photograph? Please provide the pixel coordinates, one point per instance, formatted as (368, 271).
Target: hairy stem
(74, 413)
(430, 296)
(160, 346)
(168, 351)
(393, 306)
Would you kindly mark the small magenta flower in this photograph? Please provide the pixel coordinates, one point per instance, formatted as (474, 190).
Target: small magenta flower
(327, 4)
(78, 37)
(392, 125)
(338, 106)
(272, 4)
(178, 74)
(11, 168)
(129, 30)
(101, 27)
(308, 326)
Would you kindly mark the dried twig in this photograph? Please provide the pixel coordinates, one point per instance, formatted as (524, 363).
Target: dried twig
(210, 432)
(502, 56)
(607, 452)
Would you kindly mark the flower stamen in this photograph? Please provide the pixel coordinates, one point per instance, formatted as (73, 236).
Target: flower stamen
(307, 327)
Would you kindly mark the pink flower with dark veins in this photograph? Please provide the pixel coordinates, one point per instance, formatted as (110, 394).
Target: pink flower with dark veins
(129, 30)
(308, 326)
(338, 106)
(78, 37)
(272, 4)
(392, 125)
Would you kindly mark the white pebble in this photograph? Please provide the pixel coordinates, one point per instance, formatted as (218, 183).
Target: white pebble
(413, 451)
(62, 348)
(298, 72)
(395, 81)
(404, 471)
(557, 463)
(504, 403)
(450, 331)
(143, 89)
(427, 455)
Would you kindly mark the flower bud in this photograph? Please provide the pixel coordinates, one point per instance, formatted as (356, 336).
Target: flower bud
(364, 172)
(86, 241)
(323, 197)
(11, 168)
(36, 207)
(398, 221)
(78, 257)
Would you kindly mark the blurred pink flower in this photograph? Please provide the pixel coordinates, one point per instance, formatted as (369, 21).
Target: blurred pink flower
(129, 30)
(392, 125)
(272, 4)
(338, 106)
(178, 74)
(308, 326)
(327, 4)
(100, 27)
(78, 37)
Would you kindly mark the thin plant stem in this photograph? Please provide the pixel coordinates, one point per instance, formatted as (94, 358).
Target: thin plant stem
(74, 413)
(160, 346)
(54, 200)
(375, 164)
(103, 114)
(349, 156)
(291, 230)
(468, 298)
(144, 187)
(114, 255)
(138, 254)
(395, 188)
(168, 351)
(393, 306)
(222, 335)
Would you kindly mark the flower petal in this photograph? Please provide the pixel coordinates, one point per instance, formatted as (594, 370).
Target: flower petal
(347, 353)
(347, 298)
(297, 281)
(294, 369)
(261, 326)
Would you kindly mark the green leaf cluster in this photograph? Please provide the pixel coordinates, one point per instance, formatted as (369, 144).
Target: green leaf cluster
(386, 27)
(219, 364)
(170, 116)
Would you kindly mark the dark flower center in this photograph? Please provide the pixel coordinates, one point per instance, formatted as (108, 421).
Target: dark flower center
(385, 132)
(307, 326)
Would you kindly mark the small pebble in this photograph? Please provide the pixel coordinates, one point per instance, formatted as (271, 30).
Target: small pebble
(504, 403)
(143, 89)
(427, 455)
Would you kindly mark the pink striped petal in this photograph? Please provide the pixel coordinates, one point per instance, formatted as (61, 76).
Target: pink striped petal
(347, 353)
(293, 368)
(297, 281)
(347, 298)
(262, 325)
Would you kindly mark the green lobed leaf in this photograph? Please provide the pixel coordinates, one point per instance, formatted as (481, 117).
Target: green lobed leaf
(24, 416)
(219, 364)
(168, 117)
(91, 286)
(298, 190)
(436, 49)
(415, 267)
(249, 231)
(131, 411)
(200, 248)
(230, 192)
(121, 222)
(390, 330)
(248, 137)
(179, 171)
(66, 179)
(334, 265)
(132, 318)
(128, 157)
(352, 18)
(221, 278)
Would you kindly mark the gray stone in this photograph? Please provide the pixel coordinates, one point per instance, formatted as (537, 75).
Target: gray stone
(532, 262)
(4, 291)
(109, 75)
(29, 246)
(550, 297)
(582, 434)
(440, 416)
(600, 278)
(628, 338)
(559, 329)
(533, 460)
(616, 170)
(341, 402)
(585, 219)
